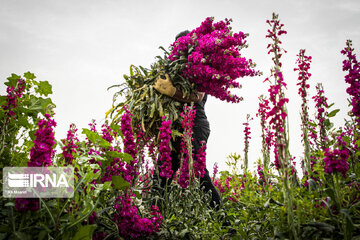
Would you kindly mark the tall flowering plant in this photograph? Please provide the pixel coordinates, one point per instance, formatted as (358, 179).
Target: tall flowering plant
(277, 116)
(303, 62)
(266, 133)
(246, 140)
(186, 166)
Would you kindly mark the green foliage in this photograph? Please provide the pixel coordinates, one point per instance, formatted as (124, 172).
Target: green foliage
(17, 130)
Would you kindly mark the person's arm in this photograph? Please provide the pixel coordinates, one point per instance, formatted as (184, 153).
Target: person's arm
(163, 85)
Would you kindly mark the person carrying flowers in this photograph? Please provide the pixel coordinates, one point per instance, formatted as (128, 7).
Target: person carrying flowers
(200, 134)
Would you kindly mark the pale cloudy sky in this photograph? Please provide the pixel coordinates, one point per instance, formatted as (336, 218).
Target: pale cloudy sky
(83, 47)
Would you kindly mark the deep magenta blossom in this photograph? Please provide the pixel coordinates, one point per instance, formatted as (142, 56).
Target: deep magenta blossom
(214, 59)
(42, 152)
(353, 78)
(321, 105)
(70, 146)
(164, 149)
(187, 124)
(27, 204)
(129, 142)
(336, 160)
(200, 161)
(130, 224)
(13, 96)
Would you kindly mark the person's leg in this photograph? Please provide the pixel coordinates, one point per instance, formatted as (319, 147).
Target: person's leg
(201, 134)
(206, 183)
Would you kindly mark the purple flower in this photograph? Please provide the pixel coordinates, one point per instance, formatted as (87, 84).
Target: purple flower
(213, 57)
(69, 145)
(13, 96)
(200, 161)
(164, 149)
(353, 78)
(130, 224)
(187, 124)
(42, 152)
(129, 142)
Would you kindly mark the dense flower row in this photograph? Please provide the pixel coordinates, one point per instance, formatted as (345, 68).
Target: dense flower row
(213, 58)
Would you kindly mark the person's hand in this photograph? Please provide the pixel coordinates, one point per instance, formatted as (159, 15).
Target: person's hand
(163, 85)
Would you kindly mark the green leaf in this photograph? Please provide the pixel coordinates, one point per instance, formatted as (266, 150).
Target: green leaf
(85, 232)
(39, 104)
(96, 138)
(44, 88)
(125, 157)
(120, 183)
(29, 75)
(333, 113)
(3, 100)
(12, 80)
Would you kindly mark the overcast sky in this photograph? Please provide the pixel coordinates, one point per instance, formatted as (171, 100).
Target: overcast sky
(83, 47)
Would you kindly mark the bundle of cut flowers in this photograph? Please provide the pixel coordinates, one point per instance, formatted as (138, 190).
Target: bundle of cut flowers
(207, 59)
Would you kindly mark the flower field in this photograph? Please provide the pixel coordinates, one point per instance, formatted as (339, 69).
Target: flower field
(117, 194)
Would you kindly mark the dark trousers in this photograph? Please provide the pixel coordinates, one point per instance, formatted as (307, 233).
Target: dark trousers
(199, 134)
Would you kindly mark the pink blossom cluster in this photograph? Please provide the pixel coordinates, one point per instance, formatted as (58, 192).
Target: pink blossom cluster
(353, 78)
(303, 62)
(164, 149)
(213, 58)
(246, 138)
(140, 143)
(262, 113)
(40, 156)
(13, 96)
(130, 224)
(25, 204)
(187, 123)
(70, 146)
(129, 142)
(42, 152)
(200, 161)
(336, 160)
(321, 105)
(215, 170)
(107, 133)
(260, 171)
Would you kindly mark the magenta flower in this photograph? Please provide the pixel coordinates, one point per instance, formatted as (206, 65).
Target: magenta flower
(187, 124)
(27, 204)
(164, 149)
(70, 147)
(213, 58)
(336, 160)
(130, 224)
(353, 78)
(246, 139)
(200, 161)
(42, 152)
(13, 96)
(129, 142)
(321, 106)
